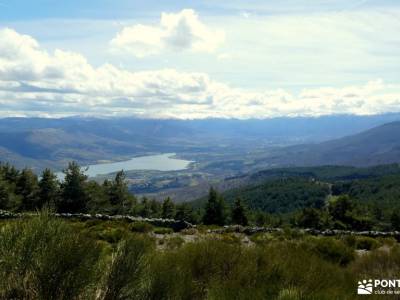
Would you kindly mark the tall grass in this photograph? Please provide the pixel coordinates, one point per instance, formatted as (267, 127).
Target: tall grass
(125, 274)
(45, 258)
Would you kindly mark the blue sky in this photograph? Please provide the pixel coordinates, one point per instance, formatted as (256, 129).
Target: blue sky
(107, 9)
(193, 59)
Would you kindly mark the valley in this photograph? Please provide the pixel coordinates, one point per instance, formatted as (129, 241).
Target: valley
(217, 157)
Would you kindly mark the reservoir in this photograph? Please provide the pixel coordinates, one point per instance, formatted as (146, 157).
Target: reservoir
(160, 162)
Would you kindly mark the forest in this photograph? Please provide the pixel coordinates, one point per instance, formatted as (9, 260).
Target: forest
(320, 198)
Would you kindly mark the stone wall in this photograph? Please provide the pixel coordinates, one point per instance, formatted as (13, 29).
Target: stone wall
(329, 232)
(176, 225)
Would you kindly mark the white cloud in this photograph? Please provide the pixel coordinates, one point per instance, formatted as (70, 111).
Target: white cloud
(34, 81)
(176, 31)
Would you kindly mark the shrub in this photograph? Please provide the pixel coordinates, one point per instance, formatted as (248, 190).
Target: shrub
(189, 231)
(378, 264)
(366, 243)
(142, 227)
(44, 258)
(163, 230)
(330, 249)
(350, 240)
(125, 274)
(168, 278)
(112, 235)
(174, 242)
(261, 238)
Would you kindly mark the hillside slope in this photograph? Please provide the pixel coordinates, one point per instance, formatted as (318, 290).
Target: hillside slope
(380, 145)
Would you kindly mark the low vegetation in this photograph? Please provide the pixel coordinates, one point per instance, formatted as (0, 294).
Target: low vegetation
(43, 257)
(46, 258)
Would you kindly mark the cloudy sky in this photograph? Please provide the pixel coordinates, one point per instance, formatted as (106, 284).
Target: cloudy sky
(198, 59)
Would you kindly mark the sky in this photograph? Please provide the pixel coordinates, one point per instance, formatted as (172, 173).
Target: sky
(199, 59)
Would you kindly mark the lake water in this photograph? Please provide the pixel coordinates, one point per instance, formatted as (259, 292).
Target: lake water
(160, 162)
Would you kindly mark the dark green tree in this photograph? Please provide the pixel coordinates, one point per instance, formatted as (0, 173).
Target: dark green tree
(4, 195)
(215, 209)
(145, 208)
(310, 218)
(239, 214)
(260, 218)
(119, 195)
(27, 187)
(341, 209)
(378, 213)
(10, 173)
(98, 201)
(73, 190)
(49, 189)
(185, 212)
(168, 209)
(395, 220)
(156, 209)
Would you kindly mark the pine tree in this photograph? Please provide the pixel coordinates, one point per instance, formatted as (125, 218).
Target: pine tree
(4, 195)
(98, 200)
(310, 218)
(145, 208)
(48, 189)
(168, 209)
(395, 220)
(184, 212)
(10, 173)
(239, 216)
(341, 209)
(27, 187)
(73, 190)
(156, 208)
(215, 209)
(119, 193)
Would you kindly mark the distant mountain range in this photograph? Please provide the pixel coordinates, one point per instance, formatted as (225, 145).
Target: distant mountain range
(41, 142)
(380, 145)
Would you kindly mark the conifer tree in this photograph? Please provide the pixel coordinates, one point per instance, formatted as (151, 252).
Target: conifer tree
(395, 220)
(145, 208)
(27, 187)
(156, 208)
(184, 212)
(4, 195)
(73, 190)
(239, 216)
(119, 195)
(48, 189)
(168, 209)
(215, 209)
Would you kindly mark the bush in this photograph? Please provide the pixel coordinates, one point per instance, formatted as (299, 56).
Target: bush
(366, 243)
(261, 238)
(174, 242)
(378, 264)
(142, 227)
(125, 274)
(44, 258)
(112, 235)
(163, 230)
(330, 249)
(350, 240)
(189, 231)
